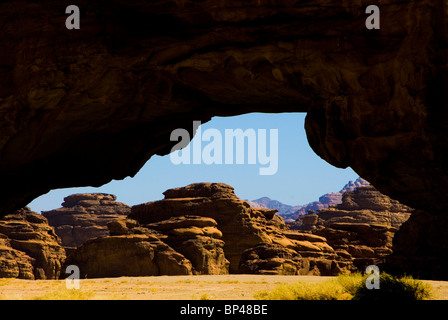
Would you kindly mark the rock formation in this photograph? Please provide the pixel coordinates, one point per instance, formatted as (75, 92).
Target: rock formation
(14, 263)
(365, 244)
(362, 205)
(85, 216)
(198, 239)
(103, 99)
(361, 227)
(291, 213)
(132, 254)
(271, 259)
(178, 246)
(242, 227)
(203, 228)
(29, 248)
(329, 199)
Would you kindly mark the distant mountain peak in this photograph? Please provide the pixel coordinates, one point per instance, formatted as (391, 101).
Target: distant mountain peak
(263, 199)
(293, 212)
(268, 203)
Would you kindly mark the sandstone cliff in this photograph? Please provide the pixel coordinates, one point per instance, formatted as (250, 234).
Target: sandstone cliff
(198, 239)
(29, 248)
(244, 228)
(85, 216)
(139, 253)
(184, 245)
(361, 227)
(363, 205)
(205, 228)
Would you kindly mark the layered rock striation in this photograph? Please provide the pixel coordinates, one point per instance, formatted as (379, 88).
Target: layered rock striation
(243, 228)
(85, 216)
(362, 227)
(29, 248)
(187, 245)
(128, 252)
(362, 205)
(198, 239)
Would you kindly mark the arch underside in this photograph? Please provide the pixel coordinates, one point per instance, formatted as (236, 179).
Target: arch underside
(83, 107)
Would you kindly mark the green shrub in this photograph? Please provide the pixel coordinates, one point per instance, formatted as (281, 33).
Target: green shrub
(392, 288)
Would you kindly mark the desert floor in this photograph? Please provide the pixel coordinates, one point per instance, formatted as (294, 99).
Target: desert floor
(220, 287)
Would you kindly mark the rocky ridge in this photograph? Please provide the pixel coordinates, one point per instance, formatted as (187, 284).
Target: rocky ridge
(290, 213)
(283, 210)
(243, 228)
(329, 199)
(204, 228)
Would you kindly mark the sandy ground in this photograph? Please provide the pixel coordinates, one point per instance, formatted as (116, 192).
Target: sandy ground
(222, 287)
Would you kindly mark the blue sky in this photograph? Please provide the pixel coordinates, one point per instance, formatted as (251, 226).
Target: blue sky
(302, 176)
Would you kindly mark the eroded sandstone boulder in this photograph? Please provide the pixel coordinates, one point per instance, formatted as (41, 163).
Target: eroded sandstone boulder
(272, 259)
(85, 216)
(132, 254)
(198, 239)
(29, 247)
(176, 246)
(275, 259)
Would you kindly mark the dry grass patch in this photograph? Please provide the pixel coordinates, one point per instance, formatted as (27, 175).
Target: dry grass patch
(350, 287)
(65, 294)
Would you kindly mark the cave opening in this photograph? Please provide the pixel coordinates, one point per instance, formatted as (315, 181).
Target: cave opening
(300, 177)
(306, 193)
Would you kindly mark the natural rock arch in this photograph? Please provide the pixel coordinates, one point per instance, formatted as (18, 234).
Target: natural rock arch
(82, 107)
